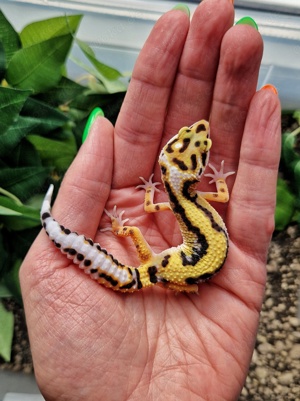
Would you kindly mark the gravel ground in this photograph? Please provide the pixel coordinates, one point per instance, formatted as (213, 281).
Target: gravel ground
(275, 368)
(274, 373)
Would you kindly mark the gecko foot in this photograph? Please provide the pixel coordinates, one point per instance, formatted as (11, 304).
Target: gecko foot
(149, 184)
(218, 175)
(116, 220)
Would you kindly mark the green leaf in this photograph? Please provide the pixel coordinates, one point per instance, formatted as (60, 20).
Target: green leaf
(285, 205)
(11, 103)
(297, 176)
(9, 38)
(21, 241)
(6, 332)
(58, 154)
(4, 255)
(16, 132)
(11, 280)
(44, 30)
(296, 115)
(289, 153)
(46, 117)
(108, 76)
(4, 291)
(16, 217)
(103, 69)
(23, 182)
(38, 67)
(23, 155)
(63, 93)
(2, 62)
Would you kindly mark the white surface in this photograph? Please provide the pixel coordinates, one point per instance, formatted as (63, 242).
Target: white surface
(17, 382)
(117, 30)
(23, 397)
(291, 6)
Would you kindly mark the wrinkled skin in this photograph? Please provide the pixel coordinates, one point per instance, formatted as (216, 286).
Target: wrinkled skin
(90, 343)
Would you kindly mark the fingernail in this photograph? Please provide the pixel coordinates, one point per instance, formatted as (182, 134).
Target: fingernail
(247, 21)
(94, 114)
(270, 88)
(182, 7)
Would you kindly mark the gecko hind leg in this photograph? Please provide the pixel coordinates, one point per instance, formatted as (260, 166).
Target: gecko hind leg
(118, 228)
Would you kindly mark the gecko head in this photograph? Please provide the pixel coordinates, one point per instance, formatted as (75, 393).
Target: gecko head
(188, 151)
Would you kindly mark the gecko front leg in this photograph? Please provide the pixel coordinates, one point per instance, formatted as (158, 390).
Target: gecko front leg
(219, 177)
(150, 188)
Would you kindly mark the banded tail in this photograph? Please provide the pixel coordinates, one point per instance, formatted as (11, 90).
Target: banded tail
(90, 256)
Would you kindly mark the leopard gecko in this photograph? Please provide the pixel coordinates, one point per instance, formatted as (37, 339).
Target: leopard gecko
(204, 245)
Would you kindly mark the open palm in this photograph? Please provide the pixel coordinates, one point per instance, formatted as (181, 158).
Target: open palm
(91, 343)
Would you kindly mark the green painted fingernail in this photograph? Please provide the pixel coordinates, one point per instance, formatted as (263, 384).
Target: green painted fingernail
(247, 21)
(182, 7)
(94, 114)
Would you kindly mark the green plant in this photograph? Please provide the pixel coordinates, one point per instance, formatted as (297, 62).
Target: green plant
(42, 116)
(288, 186)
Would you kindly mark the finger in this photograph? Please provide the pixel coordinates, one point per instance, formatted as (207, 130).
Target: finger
(194, 85)
(236, 82)
(86, 185)
(141, 119)
(253, 198)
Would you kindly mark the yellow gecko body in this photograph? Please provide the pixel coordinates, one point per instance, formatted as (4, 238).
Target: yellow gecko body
(205, 240)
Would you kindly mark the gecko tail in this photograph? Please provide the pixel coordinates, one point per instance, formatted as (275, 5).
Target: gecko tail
(89, 256)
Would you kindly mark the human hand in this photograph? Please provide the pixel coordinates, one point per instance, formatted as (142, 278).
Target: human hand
(90, 343)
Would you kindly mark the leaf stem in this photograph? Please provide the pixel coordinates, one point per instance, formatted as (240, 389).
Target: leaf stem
(11, 196)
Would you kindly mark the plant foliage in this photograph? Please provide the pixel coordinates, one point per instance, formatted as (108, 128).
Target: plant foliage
(42, 116)
(288, 185)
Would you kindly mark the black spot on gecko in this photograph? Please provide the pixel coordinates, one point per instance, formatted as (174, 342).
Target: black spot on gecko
(165, 261)
(169, 146)
(194, 161)
(163, 170)
(180, 164)
(108, 278)
(198, 251)
(92, 271)
(202, 277)
(200, 127)
(128, 286)
(46, 215)
(203, 158)
(87, 262)
(72, 252)
(139, 283)
(185, 145)
(197, 144)
(152, 270)
(80, 257)
(67, 231)
(89, 240)
(191, 280)
(57, 244)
